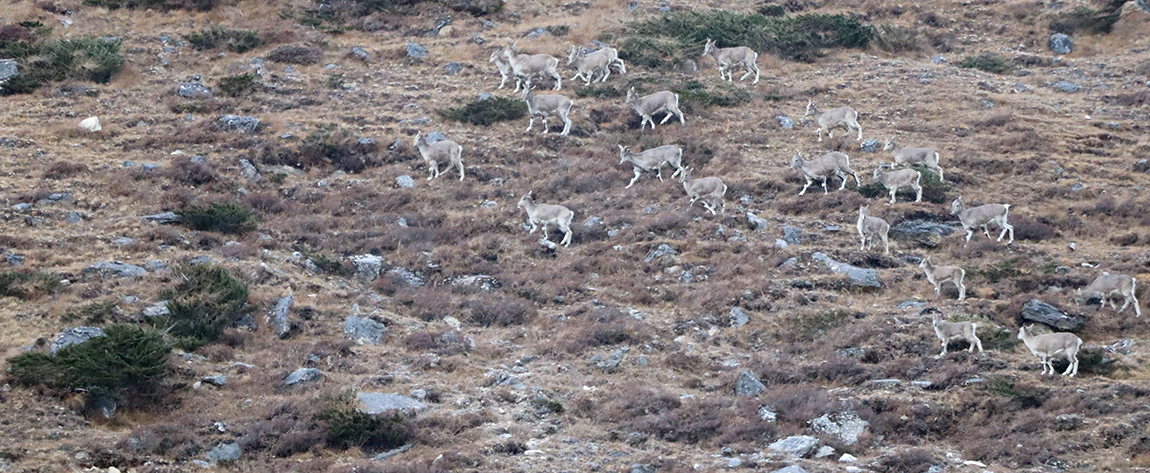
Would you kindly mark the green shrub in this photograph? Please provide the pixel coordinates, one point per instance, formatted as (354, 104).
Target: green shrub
(347, 427)
(223, 218)
(237, 85)
(327, 263)
(1087, 20)
(201, 5)
(27, 285)
(674, 37)
(205, 301)
(129, 365)
(236, 41)
(335, 81)
(40, 63)
(772, 10)
(896, 39)
(338, 147)
(1022, 396)
(988, 62)
(810, 327)
(95, 313)
(486, 112)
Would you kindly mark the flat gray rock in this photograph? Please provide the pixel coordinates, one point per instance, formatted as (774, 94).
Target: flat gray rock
(381, 403)
(303, 376)
(363, 330)
(405, 181)
(8, 69)
(1043, 313)
(238, 123)
(74, 336)
(194, 90)
(847, 427)
(797, 446)
(748, 385)
(279, 316)
(115, 269)
(863, 277)
(367, 266)
(164, 217)
(225, 452)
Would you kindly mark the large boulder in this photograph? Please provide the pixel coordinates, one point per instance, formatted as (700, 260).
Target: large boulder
(796, 446)
(8, 69)
(194, 90)
(74, 336)
(238, 123)
(862, 277)
(279, 316)
(225, 452)
(381, 403)
(367, 266)
(115, 269)
(748, 385)
(1043, 313)
(303, 376)
(846, 427)
(363, 330)
(1060, 44)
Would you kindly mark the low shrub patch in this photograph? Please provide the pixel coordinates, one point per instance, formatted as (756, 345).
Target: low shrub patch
(129, 365)
(347, 427)
(896, 39)
(1088, 20)
(27, 285)
(43, 62)
(486, 112)
(205, 301)
(237, 85)
(988, 62)
(236, 41)
(201, 5)
(95, 313)
(223, 218)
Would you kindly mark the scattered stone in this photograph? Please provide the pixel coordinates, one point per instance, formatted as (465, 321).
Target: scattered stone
(303, 376)
(847, 426)
(886, 383)
(225, 452)
(279, 316)
(748, 385)
(363, 330)
(14, 259)
(1068, 422)
(453, 68)
(452, 322)
(122, 241)
(796, 446)
(734, 463)
(1020, 88)
(156, 265)
(1060, 44)
(361, 54)
(792, 235)
(74, 336)
(8, 69)
(90, 124)
(236, 122)
(21, 206)
(863, 277)
(760, 223)
(611, 364)
(938, 59)
(380, 403)
(1043, 313)
(367, 267)
(195, 90)
(405, 181)
(870, 145)
(662, 250)
(785, 122)
(162, 218)
(824, 451)
(535, 32)
(158, 309)
(848, 458)
(415, 51)
(408, 277)
(738, 317)
(393, 452)
(115, 269)
(481, 281)
(1066, 86)
(218, 380)
(249, 171)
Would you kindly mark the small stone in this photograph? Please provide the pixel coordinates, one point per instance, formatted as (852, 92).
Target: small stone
(162, 218)
(435, 137)
(249, 171)
(73, 218)
(738, 317)
(236, 122)
(734, 463)
(870, 145)
(662, 250)
(217, 380)
(363, 330)
(886, 383)
(225, 452)
(360, 54)
(453, 67)
(1066, 87)
(90, 124)
(416, 51)
(367, 266)
(405, 181)
(194, 90)
(748, 385)
(381, 403)
(824, 451)
(792, 235)
(21, 206)
(303, 376)
(115, 269)
(785, 122)
(158, 309)
(797, 446)
(1060, 44)
(758, 222)
(14, 259)
(8, 68)
(938, 59)
(279, 316)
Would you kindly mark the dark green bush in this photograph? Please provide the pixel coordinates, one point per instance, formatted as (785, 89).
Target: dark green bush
(896, 39)
(27, 284)
(670, 39)
(772, 10)
(223, 218)
(201, 5)
(486, 112)
(347, 427)
(236, 41)
(95, 313)
(237, 85)
(327, 263)
(40, 63)
(1087, 20)
(988, 62)
(129, 365)
(205, 301)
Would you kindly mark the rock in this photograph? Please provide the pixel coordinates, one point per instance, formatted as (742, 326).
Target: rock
(405, 181)
(225, 452)
(367, 267)
(115, 269)
(785, 122)
(734, 463)
(1060, 44)
(90, 124)
(847, 427)
(748, 385)
(393, 452)
(760, 223)
(278, 317)
(938, 59)
(8, 69)
(1066, 86)
(415, 51)
(445, 32)
(74, 336)
(21, 206)
(236, 122)
(662, 250)
(194, 90)
(249, 171)
(824, 451)
(475, 7)
(593, 221)
(1043, 313)
(158, 309)
(408, 277)
(361, 54)
(792, 235)
(738, 317)
(435, 137)
(156, 265)
(911, 229)
(218, 380)
(481, 281)
(202, 259)
(107, 407)
(453, 68)
(162, 218)
(611, 364)
(73, 218)
(870, 145)
(862, 277)
(380, 403)
(796, 446)
(303, 376)
(848, 458)
(535, 32)
(296, 54)
(363, 330)
(886, 383)
(14, 259)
